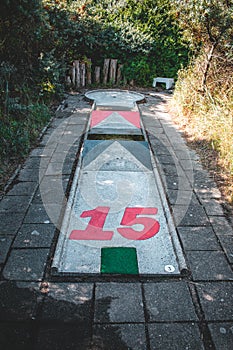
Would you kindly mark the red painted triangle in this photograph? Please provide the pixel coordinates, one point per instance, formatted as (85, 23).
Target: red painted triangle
(132, 117)
(98, 116)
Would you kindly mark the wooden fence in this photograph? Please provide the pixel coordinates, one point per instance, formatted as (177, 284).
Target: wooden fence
(82, 73)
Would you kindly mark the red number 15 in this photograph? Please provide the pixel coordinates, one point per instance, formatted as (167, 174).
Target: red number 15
(94, 229)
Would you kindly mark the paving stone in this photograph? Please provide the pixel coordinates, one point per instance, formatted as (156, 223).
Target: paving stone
(118, 302)
(194, 216)
(212, 207)
(18, 301)
(163, 154)
(15, 336)
(9, 224)
(164, 140)
(179, 197)
(198, 238)
(36, 214)
(77, 124)
(63, 337)
(51, 137)
(221, 226)
(209, 266)
(160, 145)
(5, 243)
(79, 118)
(163, 302)
(227, 244)
(188, 164)
(152, 121)
(121, 336)
(64, 113)
(178, 144)
(169, 170)
(69, 148)
(44, 213)
(216, 300)
(49, 189)
(170, 183)
(48, 142)
(164, 117)
(26, 264)
(184, 154)
(61, 120)
(175, 336)
(164, 158)
(58, 169)
(42, 152)
(70, 138)
(32, 175)
(36, 162)
(23, 189)
(153, 130)
(68, 302)
(75, 128)
(34, 236)
(59, 157)
(203, 192)
(175, 183)
(204, 186)
(202, 178)
(14, 204)
(222, 335)
(171, 129)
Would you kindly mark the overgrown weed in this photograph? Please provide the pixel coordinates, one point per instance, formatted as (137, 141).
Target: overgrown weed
(207, 115)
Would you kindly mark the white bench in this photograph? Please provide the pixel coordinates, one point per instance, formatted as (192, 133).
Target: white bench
(168, 81)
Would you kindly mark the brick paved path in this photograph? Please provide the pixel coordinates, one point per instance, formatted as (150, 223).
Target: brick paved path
(40, 311)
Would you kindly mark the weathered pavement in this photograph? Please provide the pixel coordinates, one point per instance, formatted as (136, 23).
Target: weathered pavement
(39, 310)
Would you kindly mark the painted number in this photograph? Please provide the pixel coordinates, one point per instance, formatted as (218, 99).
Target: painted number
(94, 229)
(130, 218)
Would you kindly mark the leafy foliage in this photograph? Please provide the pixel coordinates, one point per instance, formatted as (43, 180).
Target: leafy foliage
(39, 39)
(208, 26)
(22, 129)
(203, 95)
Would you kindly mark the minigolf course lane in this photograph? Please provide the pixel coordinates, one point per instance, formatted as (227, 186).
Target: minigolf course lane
(117, 220)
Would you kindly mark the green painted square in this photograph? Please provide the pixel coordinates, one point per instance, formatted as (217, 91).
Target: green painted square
(120, 260)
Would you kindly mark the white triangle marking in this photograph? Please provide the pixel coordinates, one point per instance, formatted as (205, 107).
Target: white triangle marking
(114, 152)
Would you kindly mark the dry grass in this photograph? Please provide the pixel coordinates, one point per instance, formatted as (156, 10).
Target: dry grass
(207, 118)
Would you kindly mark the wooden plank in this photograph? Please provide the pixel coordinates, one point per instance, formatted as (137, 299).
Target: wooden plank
(106, 70)
(73, 73)
(113, 69)
(88, 69)
(77, 73)
(119, 73)
(83, 74)
(97, 74)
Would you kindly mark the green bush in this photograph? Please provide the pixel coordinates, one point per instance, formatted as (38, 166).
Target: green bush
(140, 71)
(21, 130)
